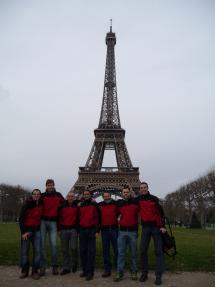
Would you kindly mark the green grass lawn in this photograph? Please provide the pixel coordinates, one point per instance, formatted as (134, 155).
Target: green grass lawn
(196, 249)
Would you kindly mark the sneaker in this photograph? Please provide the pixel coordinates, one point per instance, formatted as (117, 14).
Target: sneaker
(118, 277)
(23, 275)
(106, 274)
(89, 277)
(64, 272)
(55, 271)
(134, 276)
(143, 278)
(158, 281)
(35, 276)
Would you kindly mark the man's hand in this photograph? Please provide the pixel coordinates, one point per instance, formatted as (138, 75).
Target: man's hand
(97, 235)
(163, 230)
(25, 235)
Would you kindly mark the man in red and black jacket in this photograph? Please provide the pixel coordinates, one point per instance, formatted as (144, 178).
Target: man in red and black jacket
(153, 225)
(67, 227)
(88, 227)
(29, 222)
(128, 230)
(109, 230)
(51, 200)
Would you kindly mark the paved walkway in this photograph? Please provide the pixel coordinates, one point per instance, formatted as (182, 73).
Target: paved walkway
(9, 277)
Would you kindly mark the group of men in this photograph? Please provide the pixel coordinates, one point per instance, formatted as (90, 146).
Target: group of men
(116, 220)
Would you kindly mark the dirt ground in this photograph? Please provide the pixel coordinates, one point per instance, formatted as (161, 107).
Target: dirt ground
(9, 277)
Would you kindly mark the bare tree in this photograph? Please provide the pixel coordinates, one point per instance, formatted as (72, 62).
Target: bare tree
(11, 200)
(196, 197)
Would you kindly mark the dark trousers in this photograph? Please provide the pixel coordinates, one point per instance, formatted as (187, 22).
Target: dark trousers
(87, 243)
(155, 233)
(69, 243)
(109, 238)
(34, 239)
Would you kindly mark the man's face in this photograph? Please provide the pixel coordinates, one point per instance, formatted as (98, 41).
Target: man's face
(71, 197)
(87, 195)
(50, 187)
(36, 195)
(144, 189)
(126, 194)
(106, 196)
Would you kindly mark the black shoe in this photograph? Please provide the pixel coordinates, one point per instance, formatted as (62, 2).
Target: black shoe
(143, 278)
(23, 275)
(64, 272)
(35, 275)
(106, 274)
(89, 277)
(158, 281)
(82, 274)
(118, 277)
(74, 269)
(55, 271)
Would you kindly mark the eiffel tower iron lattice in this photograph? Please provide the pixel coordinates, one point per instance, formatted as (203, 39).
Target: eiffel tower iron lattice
(108, 136)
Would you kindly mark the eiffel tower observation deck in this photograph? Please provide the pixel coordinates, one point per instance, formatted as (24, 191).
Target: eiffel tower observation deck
(108, 136)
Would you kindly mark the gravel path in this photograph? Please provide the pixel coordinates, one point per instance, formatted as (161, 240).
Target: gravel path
(9, 277)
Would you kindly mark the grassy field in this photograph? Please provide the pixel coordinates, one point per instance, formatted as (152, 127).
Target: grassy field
(196, 249)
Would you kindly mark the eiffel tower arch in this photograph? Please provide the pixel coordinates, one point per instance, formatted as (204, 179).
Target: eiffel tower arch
(108, 136)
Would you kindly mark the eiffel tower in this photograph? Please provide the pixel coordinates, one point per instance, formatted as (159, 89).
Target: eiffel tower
(108, 136)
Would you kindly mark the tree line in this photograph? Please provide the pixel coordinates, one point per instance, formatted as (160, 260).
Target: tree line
(193, 204)
(11, 200)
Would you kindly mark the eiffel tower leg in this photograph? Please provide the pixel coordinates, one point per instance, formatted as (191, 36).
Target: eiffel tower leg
(96, 156)
(123, 159)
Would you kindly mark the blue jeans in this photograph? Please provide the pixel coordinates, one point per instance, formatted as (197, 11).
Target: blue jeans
(109, 237)
(87, 239)
(34, 239)
(155, 232)
(69, 240)
(50, 227)
(127, 238)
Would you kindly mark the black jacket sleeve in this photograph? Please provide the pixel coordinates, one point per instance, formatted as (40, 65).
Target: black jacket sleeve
(162, 215)
(22, 218)
(99, 219)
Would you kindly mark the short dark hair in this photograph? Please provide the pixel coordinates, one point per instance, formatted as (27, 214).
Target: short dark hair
(126, 187)
(49, 180)
(105, 192)
(144, 183)
(87, 190)
(36, 189)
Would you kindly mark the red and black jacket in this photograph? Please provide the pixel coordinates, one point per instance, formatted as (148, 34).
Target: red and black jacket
(108, 214)
(88, 214)
(30, 216)
(51, 202)
(128, 212)
(68, 215)
(151, 212)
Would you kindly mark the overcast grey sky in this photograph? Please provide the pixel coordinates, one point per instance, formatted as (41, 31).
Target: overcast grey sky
(52, 61)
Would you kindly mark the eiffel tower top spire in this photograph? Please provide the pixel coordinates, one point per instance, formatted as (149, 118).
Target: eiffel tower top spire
(110, 25)
(109, 117)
